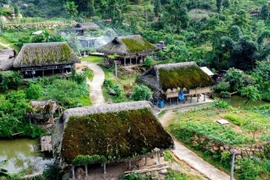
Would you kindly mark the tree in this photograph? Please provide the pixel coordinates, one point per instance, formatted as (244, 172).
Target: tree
(235, 78)
(71, 8)
(218, 4)
(34, 91)
(157, 7)
(141, 92)
(265, 12)
(251, 93)
(16, 10)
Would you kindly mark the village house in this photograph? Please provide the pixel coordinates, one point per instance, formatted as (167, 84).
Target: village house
(36, 59)
(83, 28)
(7, 57)
(118, 132)
(129, 49)
(177, 81)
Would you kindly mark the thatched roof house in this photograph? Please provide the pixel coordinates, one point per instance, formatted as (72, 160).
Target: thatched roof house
(40, 57)
(128, 47)
(116, 131)
(81, 28)
(6, 59)
(169, 79)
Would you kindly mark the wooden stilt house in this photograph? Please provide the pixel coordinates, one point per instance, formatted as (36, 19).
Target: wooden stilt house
(36, 59)
(117, 132)
(168, 80)
(129, 49)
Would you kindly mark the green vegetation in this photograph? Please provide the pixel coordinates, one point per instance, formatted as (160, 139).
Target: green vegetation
(14, 97)
(93, 59)
(141, 92)
(117, 132)
(197, 129)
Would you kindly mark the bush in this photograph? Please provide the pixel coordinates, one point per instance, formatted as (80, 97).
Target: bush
(225, 94)
(222, 86)
(117, 89)
(141, 92)
(149, 62)
(34, 91)
(10, 80)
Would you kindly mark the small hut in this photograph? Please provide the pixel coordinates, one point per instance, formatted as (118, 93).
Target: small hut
(118, 132)
(168, 80)
(7, 57)
(129, 49)
(35, 59)
(82, 28)
(43, 111)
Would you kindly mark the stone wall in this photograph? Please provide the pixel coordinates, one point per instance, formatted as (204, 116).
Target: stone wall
(215, 147)
(47, 25)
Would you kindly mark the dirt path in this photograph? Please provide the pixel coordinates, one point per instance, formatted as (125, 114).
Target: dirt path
(96, 94)
(192, 159)
(5, 45)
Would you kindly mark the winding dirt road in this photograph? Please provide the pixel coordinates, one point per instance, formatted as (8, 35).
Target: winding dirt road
(96, 94)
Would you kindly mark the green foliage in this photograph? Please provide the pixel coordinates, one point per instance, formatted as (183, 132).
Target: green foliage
(222, 86)
(71, 8)
(168, 156)
(265, 12)
(225, 94)
(250, 169)
(85, 160)
(12, 116)
(234, 119)
(53, 171)
(149, 62)
(66, 92)
(10, 80)
(235, 78)
(141, 92)
(212, 130)
(34, 91)
(251, 93)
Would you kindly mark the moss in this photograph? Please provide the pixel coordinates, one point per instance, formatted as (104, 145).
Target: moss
(137, 45)
(189, 77)
(115, 135)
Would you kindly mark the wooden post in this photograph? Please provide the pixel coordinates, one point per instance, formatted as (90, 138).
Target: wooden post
(129, 164)
(197, 97)
(130, 60)
(86, 171)
(136, 60)
(125, 61)
(73, 172)
(158, 155)
(104, 168)
(204, 97)
(145, 160)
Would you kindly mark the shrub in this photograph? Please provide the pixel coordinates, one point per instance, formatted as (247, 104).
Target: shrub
(117, 89)
(149, 62)
(222, 86)
(141, 92)
(34, 91)
(225, 94)
(10, 80)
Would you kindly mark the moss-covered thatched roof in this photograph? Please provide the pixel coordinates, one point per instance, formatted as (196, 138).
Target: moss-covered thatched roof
(116, 131)
(169, 76)
(124, 45)
(40, 54)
